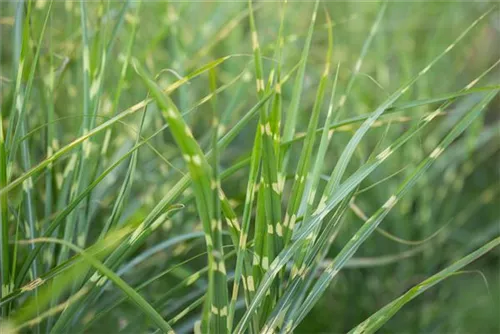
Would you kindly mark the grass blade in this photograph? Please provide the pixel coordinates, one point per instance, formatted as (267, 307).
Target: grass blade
(378, 319)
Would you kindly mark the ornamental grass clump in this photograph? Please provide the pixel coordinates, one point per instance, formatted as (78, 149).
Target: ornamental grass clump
(248, 167)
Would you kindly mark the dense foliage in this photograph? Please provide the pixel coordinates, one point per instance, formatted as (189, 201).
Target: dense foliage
(249, 167)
